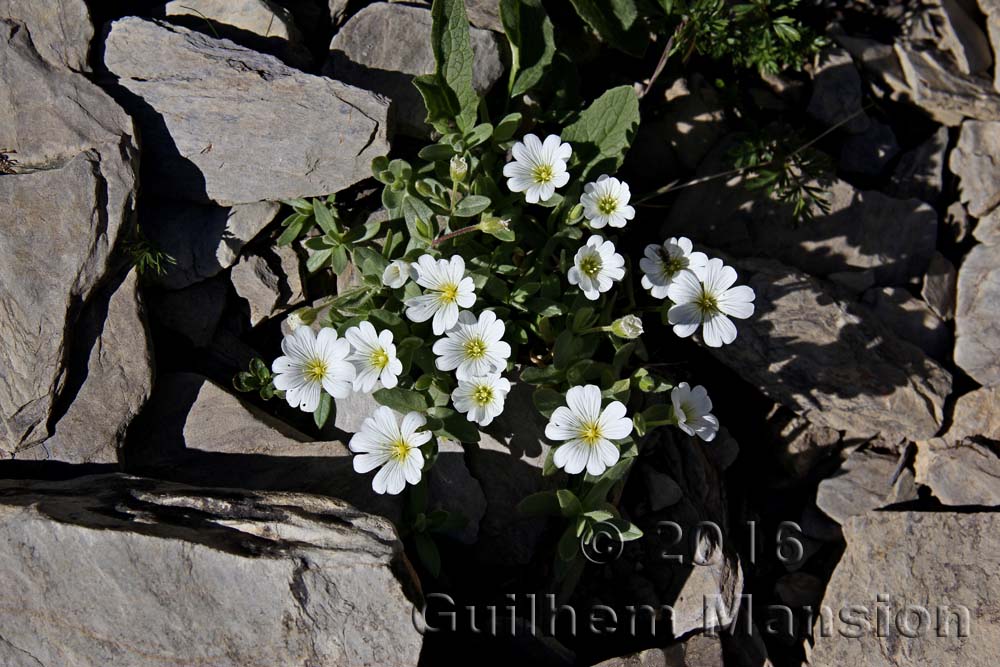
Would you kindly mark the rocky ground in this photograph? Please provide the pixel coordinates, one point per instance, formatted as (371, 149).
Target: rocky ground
(149, 515)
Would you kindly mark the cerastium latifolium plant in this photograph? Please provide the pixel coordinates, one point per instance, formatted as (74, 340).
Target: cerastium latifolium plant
(497, 265)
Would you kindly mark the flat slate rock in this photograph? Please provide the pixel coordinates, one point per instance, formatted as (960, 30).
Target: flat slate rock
(977, 328)
(226, 124)
(861, 484)
(938, 562)
(964, 473)
(833, 366)
(61, 30)
(115, 571)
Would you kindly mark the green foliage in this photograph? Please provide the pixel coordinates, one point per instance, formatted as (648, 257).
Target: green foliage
(306, 214)
(448, 94)
(532, 43)
(146, 257)
(603, 132)
(617, 22)
(784, 170)
(256, 379)
(759, 34)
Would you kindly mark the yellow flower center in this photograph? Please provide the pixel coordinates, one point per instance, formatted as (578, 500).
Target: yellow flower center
(672, 265)
(706, 303)
(379, 359)
(542, 174)
(607, 205)
(399, 450)
(449, 293)
(475, 348)
(590, 433)
(590, 265)
(315, 370)
(483, 395)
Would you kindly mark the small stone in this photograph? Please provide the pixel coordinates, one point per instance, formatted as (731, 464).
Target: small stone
(967, 473)
(946, 26)
(947, 96)
(863, 483)
(911, 319)
(974, 161)
(799, 444)
(271, 283)
(385, 45)
(920, 172)
(957, 222)
(977, 329)
(870, 151)
(976, 416)
(837, 91)
(987, 229)
(939, 286)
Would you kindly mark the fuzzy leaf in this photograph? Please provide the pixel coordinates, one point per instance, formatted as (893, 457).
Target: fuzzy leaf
(603, 132)
(532, 43)
(454, 58)
(401, 400)
(617, 22)
(324, 410)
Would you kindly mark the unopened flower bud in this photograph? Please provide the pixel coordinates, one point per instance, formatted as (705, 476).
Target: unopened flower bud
(459, 168)
(301, 317)
(492, 225)
(628, 327)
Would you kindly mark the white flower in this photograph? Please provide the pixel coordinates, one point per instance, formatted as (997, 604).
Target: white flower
(693, 411)
(311, 364)
(595, 266)
(393, 447)
(662, 263)
(447, 290)
(587, 430)
(605, 202)
(398, 273)
(474, 347)
(538, 168)
(627, 326)
(481, 397)
(709, 303)
(374, 357)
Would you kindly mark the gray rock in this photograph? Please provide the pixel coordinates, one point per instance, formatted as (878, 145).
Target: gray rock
(797, 589)
(837, 93)
(799, 444)
(147, 571)
(385, 45)
(50, 113)
(338, 8)
(830, 364)
(940, 562)
(193, 312)
(920, 172)
(261, 25)
(270, 283)
(948, 96)
(108, 393)
(865, 230)
(453, 489)
(977, 330)
(976, 416)
(861, 484)
(662, 490)
(911, 319)
(61, 30)
(974, 161)
(870, 151)
(198, 433)
(967, 473)
(939, 286)
(218, 126)
(697, 651)
(957, 222)
(946, 26)
(987, 229)
(482, 13)
(991, 8)
(202, 239)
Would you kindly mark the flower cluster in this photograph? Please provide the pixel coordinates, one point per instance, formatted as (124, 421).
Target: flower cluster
(462, 303)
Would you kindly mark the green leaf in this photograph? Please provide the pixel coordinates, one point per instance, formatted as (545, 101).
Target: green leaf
(296, 225)
(507, 127)
(455, 425)
(534, 375)
(471, 205)
(454, 58)
(401, 400)
(617, 22)
(324, 218)
(603, 132)
(436, 152)
(339, 259)
(440, 102)
(478, 135)
(324, 410)
(569, 543)
(561, 502)
(428, 553)
(318, 260)
(547, 400)
(532, 44)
